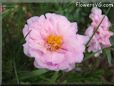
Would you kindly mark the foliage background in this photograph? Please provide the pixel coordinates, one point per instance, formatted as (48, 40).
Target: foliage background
(18, 68)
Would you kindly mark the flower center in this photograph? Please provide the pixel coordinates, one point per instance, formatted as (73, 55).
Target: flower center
(54, 42)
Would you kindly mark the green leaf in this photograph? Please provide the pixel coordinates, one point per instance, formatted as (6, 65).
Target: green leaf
(88, 56)
(108, 55)
(34, 73)
(54, 77)
(44, 78)
(64, 82)
(112, 40)
(112, 49)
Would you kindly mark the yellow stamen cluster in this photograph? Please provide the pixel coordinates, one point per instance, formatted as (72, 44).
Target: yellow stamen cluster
(54, 42)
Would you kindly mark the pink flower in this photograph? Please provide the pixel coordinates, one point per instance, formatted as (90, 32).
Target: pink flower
(53, 42)
(101, 37)
(2, 8)
(96, 17)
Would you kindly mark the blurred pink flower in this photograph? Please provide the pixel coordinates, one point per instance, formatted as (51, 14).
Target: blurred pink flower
(1, 8)
(101, 37)
(53, 42)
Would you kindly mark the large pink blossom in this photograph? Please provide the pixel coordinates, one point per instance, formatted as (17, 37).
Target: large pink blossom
(101, 37)
(53, 42)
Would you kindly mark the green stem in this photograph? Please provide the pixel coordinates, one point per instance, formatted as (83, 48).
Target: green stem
(14, 64)
(15, 71)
